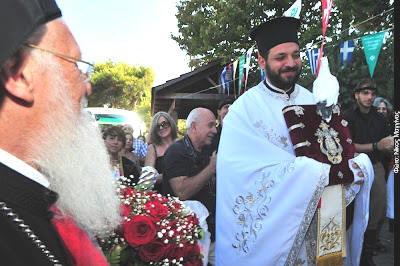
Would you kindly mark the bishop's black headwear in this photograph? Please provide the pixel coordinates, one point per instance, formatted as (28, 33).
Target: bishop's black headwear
(275, 31)
(19, 19)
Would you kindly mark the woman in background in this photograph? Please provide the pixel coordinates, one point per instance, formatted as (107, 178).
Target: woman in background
(114, 139)
(163, 132)
(385, 108)
(127, 151)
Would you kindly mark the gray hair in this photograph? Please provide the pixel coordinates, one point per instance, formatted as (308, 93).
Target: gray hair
(194, 116)
(379, 100)
(154, 137)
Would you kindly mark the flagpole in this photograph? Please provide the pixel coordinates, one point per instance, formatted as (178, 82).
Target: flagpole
(320, 56)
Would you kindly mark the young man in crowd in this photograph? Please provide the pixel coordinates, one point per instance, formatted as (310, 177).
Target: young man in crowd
(371, 135)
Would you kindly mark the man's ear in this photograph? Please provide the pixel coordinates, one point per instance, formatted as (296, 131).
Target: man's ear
(193, 125)
(17, 83)
(261, 61)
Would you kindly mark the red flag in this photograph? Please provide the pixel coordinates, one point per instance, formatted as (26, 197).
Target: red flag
(326, 12)
(321, 53)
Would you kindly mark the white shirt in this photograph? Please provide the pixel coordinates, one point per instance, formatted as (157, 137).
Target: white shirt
(23, 168)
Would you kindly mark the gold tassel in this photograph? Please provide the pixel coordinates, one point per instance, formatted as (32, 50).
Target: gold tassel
(331, 259)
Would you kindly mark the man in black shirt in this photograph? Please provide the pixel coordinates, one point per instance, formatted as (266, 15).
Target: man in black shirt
(371, 135)
(189, 169)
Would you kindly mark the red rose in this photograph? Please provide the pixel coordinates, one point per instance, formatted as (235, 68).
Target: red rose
(126, 210)
(174, 252)
(191, 252)
(193, 219)
(139, 230)
(176, 205)
(157, 209)
(128, 192)
(197, 262)
(153, 251)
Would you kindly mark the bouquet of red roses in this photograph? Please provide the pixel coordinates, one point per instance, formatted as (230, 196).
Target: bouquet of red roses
(156, 230)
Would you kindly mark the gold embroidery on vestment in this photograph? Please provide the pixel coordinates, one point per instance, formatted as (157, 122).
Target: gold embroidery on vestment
(331, 236)
(329, 143)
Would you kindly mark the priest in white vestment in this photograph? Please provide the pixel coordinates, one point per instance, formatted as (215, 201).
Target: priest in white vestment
(266, 196)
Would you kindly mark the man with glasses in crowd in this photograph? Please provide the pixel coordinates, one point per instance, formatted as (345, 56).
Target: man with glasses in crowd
(371, 135)
(56, 192)
(190, 170)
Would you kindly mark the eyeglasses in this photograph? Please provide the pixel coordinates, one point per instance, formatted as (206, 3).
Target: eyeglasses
(85, 68)
(163, 124)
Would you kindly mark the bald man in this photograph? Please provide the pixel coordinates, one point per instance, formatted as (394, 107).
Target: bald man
(190, 171)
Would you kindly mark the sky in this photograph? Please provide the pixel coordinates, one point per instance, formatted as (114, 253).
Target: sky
(131, 31)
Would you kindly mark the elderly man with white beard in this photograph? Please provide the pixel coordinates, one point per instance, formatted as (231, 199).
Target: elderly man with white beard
(56, 188)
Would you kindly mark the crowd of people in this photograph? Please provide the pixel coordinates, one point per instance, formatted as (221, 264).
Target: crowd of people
(265, 201)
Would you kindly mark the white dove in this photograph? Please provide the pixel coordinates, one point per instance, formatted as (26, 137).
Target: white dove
(325, 90)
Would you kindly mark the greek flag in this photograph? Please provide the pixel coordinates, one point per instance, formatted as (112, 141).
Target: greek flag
(262, 74)
(313, 59)
(346, 51)
(224, 80)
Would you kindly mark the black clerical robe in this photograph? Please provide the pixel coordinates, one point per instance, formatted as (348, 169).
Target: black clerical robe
(31, 202)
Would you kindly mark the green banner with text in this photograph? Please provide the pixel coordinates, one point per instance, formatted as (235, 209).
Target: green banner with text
(372, 46)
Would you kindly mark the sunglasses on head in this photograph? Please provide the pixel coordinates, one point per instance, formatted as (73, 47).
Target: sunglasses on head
(163, 124)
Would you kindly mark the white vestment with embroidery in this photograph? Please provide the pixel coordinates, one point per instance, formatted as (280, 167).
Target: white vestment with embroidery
(266, 196)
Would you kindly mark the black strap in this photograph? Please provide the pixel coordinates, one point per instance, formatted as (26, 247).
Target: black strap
(155, 149)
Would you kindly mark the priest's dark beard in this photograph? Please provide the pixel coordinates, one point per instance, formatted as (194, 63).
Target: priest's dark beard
(276, 79)
(71, 153)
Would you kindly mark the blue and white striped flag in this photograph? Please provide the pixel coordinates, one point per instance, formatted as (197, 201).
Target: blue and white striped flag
(224, 80)
(262, 73)
(346, 51)
(313, 59)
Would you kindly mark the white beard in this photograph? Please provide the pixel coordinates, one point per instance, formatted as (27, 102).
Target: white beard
(70, 151)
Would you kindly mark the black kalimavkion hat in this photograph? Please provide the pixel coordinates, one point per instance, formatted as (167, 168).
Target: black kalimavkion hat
(275, 31)
(19, 19)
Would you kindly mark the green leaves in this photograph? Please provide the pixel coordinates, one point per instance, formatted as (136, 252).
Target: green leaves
(120, 85)
(114, 255)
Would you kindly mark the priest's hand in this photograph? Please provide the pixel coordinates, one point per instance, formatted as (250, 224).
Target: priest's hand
(358, 174)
